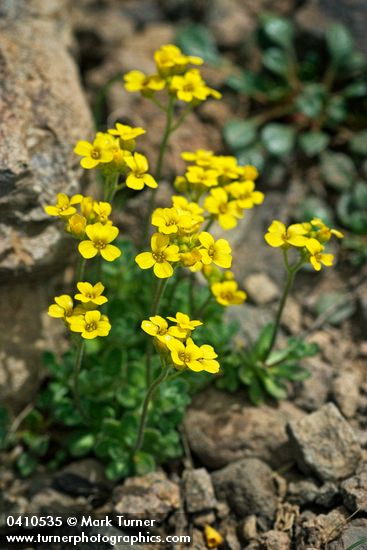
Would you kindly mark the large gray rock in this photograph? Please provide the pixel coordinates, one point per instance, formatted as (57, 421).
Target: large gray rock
(354, 491)
(43, 113)
(222, 428)
(325, 444)
(198, 490)
(248, 487)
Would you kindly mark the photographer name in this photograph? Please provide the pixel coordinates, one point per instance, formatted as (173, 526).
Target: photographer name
(89, 521)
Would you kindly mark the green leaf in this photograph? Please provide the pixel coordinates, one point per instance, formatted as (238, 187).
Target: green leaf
(357, 544)
(80, 444)
(244, 82)
(311, 100)
(276, 60)
(313, 142)
(358, 143)
(239, 133)
(338, 170)
(336, 110)
(256, 392)
(26, 464)
(252, 155)
(278, 29)
(262, 344)
(4, 425)
(118, 469)
(352, 209)
(339, 42)
(143, 463)
(273, 388)
(198, 40)
(314, 207)
(290, 371)
(355, 89)
(278, 138)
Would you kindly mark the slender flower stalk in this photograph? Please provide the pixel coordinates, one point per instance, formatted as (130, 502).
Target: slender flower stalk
(76, 375)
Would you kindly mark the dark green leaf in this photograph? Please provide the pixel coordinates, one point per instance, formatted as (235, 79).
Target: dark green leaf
(4, 425)
(80, 444)
(311, 100)
(278, 29)
(355, 89)
(118, 469)
(338, 170)
(252, 155)
(357, 544)
(262, 344)
(336, 110)
(313, 142)
(198, 40)
(144, 463)
(239, 133)
(278, 138)
(314, 207)
(358, 143)
(26, 464)
(256, 392)
(276, 60)
(339, 42)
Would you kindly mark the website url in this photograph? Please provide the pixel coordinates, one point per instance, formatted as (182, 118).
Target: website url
(74, 540)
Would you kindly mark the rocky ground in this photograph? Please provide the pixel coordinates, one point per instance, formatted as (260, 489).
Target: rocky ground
(280, 476)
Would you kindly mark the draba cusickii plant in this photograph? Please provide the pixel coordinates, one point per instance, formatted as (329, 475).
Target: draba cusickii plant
(116, 397)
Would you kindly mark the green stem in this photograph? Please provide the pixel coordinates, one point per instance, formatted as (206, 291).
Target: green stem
(144, 413)
(202, 309)
(80, 269)
(161, 285)
(209, 224)
(77, 367)
(291, 272)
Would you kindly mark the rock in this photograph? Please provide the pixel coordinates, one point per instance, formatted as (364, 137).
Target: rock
(307, 491)
(325, 444)
(312, 393)
(275, 540)
(353, 532)
(260, 288)
(328, 495)
(48, 501)
(149, 495)
(84, 478)
(43, 113)
(251, 320)
(198, 491)
(222, 428)
(230, 22)
(248, 488)
(249, 528)
(292, 316)
(346, 391)
(317, 531)
(354, 491)
(205, 518)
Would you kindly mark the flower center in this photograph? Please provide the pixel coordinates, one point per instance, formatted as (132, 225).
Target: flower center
(95, 154)
(99, 245)
(185, 357)
(90, 327)
(222, 208)
(228, 296)
(159, 257)
(211, 251)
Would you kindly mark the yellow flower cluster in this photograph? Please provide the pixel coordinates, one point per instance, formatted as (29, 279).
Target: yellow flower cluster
(177, 347)
(84, 317)
(308, 238)
(174, 76)
(89, 223)
(113, 151)
(227, 188)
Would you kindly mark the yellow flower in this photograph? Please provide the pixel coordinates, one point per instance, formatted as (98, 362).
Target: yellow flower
(316, 255)
(224, 210)
(185, 325)
(137, 81)
(279, 235)
(76, 225)
(103, 211)
(218, 252)
(95, 153)
(127, 135)
(197, 175)
(213, 538)
(100, 238)
(185, 355)
(245, 194)
(191, 259)
(169, 221)
(191, 87)
(201, 157)
(183, 206)
(227, 166)
(170, 60)
(160, 257)
(227, 293)
(248, 172)
(64, 206)
(87, 208)
(138, 176)
(156, 326)
(90, 293)
(207, 359)
(323, 233)
(90, 325)
(62, 308)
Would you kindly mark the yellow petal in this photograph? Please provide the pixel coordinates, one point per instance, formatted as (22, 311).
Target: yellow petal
(145, 260)
(87, 249)
(110, 253)
(163, 270)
